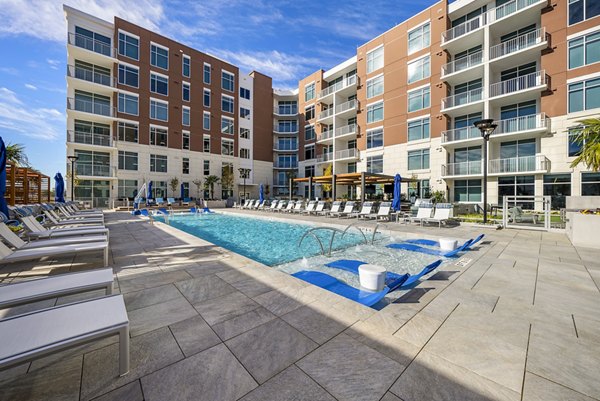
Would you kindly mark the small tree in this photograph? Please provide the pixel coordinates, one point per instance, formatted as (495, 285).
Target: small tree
(267, 191)
(209, 184)
(198, 183)
(15, 152)
(227, 179)
(587, 134)
(328, 171)
(173, 184)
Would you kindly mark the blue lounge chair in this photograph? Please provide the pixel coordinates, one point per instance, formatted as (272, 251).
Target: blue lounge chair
(430, 242)
(329, 283)
(160, 201)
(170, 201)
(429, 251)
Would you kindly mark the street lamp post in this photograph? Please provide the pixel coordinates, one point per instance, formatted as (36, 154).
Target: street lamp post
(486, 127)
(72, 159)
(244, 173)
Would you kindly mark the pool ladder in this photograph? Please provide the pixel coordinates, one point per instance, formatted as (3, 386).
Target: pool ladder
(333, 230)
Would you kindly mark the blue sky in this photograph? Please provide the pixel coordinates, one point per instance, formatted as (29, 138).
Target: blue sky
(285, 39)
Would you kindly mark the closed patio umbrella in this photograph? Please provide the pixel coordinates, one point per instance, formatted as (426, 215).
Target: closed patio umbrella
(3, 205)
(261, 193)
(59, 188)
(149, 190)
(182, 191)
(396, 200)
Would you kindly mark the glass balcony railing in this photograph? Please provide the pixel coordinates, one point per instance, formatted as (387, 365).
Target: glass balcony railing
(523, 164)
(93, 170)
(285, 147)
(325, 135)
(345, 130)
(324, 157)
(285, 129)
(346, 82)
(326, 113)
(89, 106)
(346, 154)
(89, 138)
(285, 110)
(349, 105)
(285, 165)
(90, 44)
(460, 134)
(91, 76)
(464, 168)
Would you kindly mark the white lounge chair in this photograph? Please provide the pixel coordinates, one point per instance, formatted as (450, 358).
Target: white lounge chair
(383, 213)
(71, 222)
(14, 240)
(36, 230)
(423, 213)
(7, 255)
(335, 207)
(310, 207)
(319, 208)
(441, 214)
(261, 205)
(47, 331)
(273, 206)
(289, 207)
(297, 207)
(347, 212)
(365, 210)
(59, 285)
(280, 206)
(517, 216)
(70, 214)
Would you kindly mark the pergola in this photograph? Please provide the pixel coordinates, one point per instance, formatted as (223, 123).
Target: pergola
(354, 179)
(26, 186)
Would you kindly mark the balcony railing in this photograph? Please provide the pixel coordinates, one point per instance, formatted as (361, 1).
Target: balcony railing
(285, 110)
(94, 45)
(277, 164)
(462, 99)
(91, 76)
(285, 147)
(529, 81)
(521, 42)
(325, 135)
(345, 130)
(464, 28)
(88, 106)
(523, 123)
(462, 63)
(519, 164)
(464, 168)
(346, 154)
(460, 134)
(325, 157)
(285, 130)
(509, 8)
(93, 170)
(351, 80)
(326, 113)
(89, 138)
(349, 105)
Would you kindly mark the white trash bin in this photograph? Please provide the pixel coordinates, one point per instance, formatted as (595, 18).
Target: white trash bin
(448, 244)
(372, 277)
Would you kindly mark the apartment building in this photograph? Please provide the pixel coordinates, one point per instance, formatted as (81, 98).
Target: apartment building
(142, 107)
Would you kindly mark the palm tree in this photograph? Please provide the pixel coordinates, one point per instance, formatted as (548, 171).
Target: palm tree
(198, 183)
(587, 134)
(209, 183)
(15, 152)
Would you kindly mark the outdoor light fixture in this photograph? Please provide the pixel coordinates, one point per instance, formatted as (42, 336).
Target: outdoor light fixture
(72, 159)
(486, 127)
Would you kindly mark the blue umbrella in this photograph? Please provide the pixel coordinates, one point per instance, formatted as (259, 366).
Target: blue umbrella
(261, 193)
(3, 205)
(149, 190)
(396, 201)
(59, 188)
(181, 192)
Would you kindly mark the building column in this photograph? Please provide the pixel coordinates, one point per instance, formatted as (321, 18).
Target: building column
(290, 187)
(362, 187)
(310, 184)
(333, 191)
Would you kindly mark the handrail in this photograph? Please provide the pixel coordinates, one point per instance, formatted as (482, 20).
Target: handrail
(89, 106)
(463, 98)
(346, 129)
(96, 77)
(349, 105)
(354, 225)
(528, 81)
(521, 42)
(459, 134)
(326, 113)
(464, 28)
(523, 123)
(90, 44)
(325, 135)
(462, 63)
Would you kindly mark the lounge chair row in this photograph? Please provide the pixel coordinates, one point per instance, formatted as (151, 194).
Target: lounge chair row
(169, 202)
(338, 209)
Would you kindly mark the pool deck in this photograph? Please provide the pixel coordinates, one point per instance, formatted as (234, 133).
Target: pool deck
(520, 322)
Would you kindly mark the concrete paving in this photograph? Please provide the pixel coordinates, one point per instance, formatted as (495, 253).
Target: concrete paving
(519, 321)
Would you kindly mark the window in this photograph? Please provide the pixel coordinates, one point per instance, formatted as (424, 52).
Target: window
(309, 152)
(523, 185)
(584, 95)
(92, 133)
(467, 191)
(584, 50)
(186, 189)
(186, 91)
(158, 163)
(185, 143)
(419, 69)
(185, 116)
(590, 184)
(244, 93)
(375, 60)
(375, 164)
(309, 112)
(227, 126)
(159, 57)
(418, 38)
(206, 167)
(244, 153)
(287, 161)
(581, 10)
(574, 146)
(520, 148)
(129, 76)
(185, 165)
(418, 99)
(244, 113)
(287, 107)
(558, 187)
(92, 163)
(375, 86)
(287, 126)
(93, 41)
(128, 189)
(309, 171)
(159, 110)
(309, 92)
(94, 103)
(128, 132)
(418, 129)
(375, 138)
(206, 73)
(206, 121)
(206, 98)
(227, 81)
(206, 144)
(128, 104)
(159, 188)
(227, 147)
(418, 159)
(185, 66)
(159, 84)
(352, 167)
(309, 133)
(158, 136)
(227, 104)
(374, 112)
(128, 160)
(244, 133)
(129, 46)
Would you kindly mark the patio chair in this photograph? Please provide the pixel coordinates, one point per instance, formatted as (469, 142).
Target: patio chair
(383, 213)
(160, 201)
(365, 210)
(7, 255)
(36, 230)
(49, 331)
(318, 208)
(348, 210)
(309, 208)
(441, 214)
(170, 201)
(280, 206)
(518, 216)
(290, 206)
(424, 212)
(14, 240)
(185, 202)
(71, 222)
(335, 207)
(297, 207)
(273, 206)
(72, 215)
(261, 205)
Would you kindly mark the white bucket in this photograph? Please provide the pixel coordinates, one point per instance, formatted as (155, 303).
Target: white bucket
(372, 277)
(448, 244)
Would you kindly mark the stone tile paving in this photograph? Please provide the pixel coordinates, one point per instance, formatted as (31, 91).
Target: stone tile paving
(519, 322)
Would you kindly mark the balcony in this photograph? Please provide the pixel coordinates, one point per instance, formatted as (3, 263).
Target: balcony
(325, 114)
(285, 111)
(462, 69)
(89, 138)
(325, 157)
(279, 130)
(330, 90)
(532, 125)
(91, 50)
(104, 111)
(516, 165)
(92, 81)
(461, 136)
(469, 32)
(95, 170)
(285, 147)
(519, 88)
(516, 8)
(285, 165)
(325, 136)
(463, 169)
(465, 102)
(346, 154)
(346, 107)
(519, 50)
(345, 130)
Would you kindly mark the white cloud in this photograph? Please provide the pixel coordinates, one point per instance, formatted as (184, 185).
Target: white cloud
(53, 63)
(39, 123)
(32, 87)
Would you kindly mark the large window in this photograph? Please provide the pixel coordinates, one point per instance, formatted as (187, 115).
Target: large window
(418, 129)
(128, 189)
(375, 138)
(375, 164)
(374, 112)
(186, 89)
(185, 165)
(186, 62)
(92, 163)
(159, 110)
(309, 152)
(584, 50)
(418, 159)
(419, 69)
(129, 76)
(287, 126)
(227, 104)
(93, 41)
(581, 10)
(287, 107)
(418, 99)
(206, 121)
(158, 136)
(227, 81)
(226, 147)
(309, 112)
(309, 92)
(523, 185)
(128, 132)
(375, 87)
(128, 104)
(158, 163)
(206, 143)
(309, 132)
(206, 70)
(159, 56)
(558, 187)
(584, 95)
(244, 113)
(159, 84)
(375, 60)
(590, 184)
(418, 38)
(467, 191)
(93, 103)
(206, 97)
(185, 116)
(129, 46)
(227, 125)
(185, 143)
(244, 93)
(128, 160)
